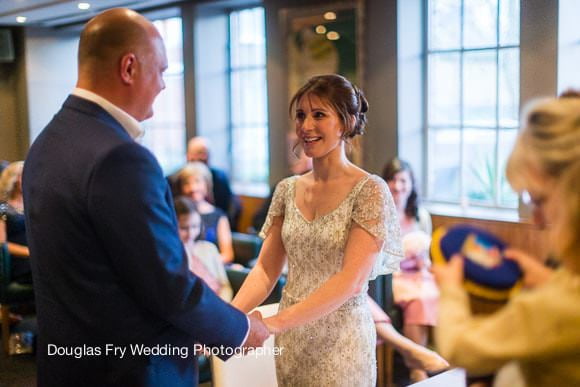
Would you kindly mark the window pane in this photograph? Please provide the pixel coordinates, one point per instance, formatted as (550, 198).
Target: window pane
(444, 24)
(165, 131)
(444, 165)
(479, 88)
(480, 169)
(248, 103)
(509, 22)
(247, 38)
(507, 197)
(250, 160)
(480, 23)
(444, 89)
(509, 87)
(249, 97)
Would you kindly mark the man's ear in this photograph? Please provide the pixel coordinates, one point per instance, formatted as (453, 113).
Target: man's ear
(128, 68)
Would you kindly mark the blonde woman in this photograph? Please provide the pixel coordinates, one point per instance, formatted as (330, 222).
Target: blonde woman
(194, 181)
(12, 227)
(537, 332)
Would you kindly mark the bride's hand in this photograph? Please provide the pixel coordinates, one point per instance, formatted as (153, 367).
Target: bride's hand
(273, 325)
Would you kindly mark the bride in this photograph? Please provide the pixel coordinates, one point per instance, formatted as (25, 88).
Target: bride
(336, 227)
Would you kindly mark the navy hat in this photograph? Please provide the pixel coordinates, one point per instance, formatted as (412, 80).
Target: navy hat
(488, 274)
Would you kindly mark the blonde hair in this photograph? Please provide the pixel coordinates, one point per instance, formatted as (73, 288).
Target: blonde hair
(196, 169)
(567, 225)
(547, 144)
(9, 178)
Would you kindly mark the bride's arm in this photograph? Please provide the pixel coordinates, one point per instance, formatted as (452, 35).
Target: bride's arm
(265, 274)
(360, 254)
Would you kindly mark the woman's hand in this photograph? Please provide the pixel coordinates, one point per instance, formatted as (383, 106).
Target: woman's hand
(450, 273)
(535, 273)
(274, 325)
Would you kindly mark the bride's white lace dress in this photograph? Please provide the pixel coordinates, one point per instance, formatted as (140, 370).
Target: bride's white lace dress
(338, 349)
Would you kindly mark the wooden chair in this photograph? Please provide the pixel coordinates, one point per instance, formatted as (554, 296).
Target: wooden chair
(11, 293)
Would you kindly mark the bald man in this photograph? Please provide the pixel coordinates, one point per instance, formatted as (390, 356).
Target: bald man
(116, 303)
(198, 149)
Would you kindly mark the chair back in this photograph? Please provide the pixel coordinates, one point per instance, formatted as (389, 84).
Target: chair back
(238, 276)
(246, 247)
(4, 272)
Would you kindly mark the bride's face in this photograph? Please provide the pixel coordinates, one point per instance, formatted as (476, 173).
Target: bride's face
(318, 127)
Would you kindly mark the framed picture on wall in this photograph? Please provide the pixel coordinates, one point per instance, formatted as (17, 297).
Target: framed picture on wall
(324, 39)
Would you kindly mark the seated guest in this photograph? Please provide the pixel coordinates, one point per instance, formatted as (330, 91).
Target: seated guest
(12, 227)
(414, 288)
(536, 334)
(194, 181)
(203, 257)
(198, 150)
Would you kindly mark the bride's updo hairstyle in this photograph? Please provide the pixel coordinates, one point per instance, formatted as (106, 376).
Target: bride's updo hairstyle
(344, 97)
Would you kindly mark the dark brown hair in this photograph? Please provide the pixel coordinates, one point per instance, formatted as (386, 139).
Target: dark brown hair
(184, 206)
(394, 166)
(343, 96)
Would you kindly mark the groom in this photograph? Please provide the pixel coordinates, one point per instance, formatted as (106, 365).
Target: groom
(110, 273)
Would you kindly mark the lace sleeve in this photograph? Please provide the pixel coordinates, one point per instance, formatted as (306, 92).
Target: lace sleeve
(277, 207)
(374, 211)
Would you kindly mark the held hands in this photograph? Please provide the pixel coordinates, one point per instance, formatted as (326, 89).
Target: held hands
(258, 331)
(450, 273)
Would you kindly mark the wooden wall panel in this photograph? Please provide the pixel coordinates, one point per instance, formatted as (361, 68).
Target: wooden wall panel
(250, 205)
(521, 235)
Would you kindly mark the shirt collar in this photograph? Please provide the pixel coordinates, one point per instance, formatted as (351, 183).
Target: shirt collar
(130, 124)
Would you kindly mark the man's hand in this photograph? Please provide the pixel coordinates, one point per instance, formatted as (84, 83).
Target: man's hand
(258, 331)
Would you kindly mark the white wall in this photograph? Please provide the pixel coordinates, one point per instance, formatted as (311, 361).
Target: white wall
(51, 69)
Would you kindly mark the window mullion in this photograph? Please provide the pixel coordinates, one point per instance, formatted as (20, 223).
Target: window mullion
(496, 198)
(462, 166)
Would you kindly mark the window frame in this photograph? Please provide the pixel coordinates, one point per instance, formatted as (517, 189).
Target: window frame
(498, 210)
(243, 187)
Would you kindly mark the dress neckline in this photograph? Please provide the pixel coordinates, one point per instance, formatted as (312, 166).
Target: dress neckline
(340, 204)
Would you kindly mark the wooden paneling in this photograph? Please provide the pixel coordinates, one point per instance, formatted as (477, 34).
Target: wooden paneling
(521, 235)
(250, 205)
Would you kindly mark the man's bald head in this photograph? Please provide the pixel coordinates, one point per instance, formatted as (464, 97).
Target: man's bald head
(198, 149)
(122, 59)
(109, 35)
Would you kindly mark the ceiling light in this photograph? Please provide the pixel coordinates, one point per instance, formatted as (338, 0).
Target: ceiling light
(84, 6)
(332, 35)
(20, 19)
(320, 29)
(330, 16)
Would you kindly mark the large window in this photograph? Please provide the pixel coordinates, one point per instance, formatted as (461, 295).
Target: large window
(231, 103)
(165, 131)
(472, 100)
(247, 99)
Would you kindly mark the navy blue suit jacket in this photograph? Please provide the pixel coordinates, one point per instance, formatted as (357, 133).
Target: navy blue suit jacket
(108, 265)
